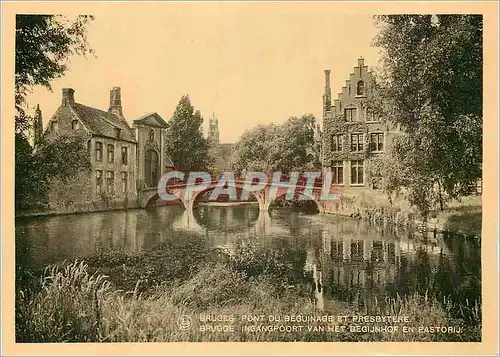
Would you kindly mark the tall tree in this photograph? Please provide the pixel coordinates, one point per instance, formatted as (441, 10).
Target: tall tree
(44, 45)
(287, 147)
(294, 147)
(184, 141)
(252, 152)
(431, 85)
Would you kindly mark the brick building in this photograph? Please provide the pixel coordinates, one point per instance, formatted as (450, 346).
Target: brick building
(352, 133)
(122, 158)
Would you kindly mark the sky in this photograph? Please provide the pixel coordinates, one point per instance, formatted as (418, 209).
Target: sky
(249, 63)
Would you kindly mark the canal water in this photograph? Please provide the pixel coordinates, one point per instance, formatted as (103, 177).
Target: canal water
(351, 260)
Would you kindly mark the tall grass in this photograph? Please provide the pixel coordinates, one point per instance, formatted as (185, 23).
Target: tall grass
(66, 308)
(76, 305)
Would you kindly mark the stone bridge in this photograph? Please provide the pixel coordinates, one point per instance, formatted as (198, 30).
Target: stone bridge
(187, 197)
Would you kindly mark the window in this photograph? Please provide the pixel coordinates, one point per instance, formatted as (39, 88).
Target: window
(110, 182)
(350, 114)
(75, 125)
(356, 142)
(338, 172)
(360, 88)
(378, 251)
(337, 141)
(54, 126)
(370, 115)
(337, 249)
(151, 134)
(118, 132)
(98, 181)
(357, 250)
(111, 153)
(377, 141)
(124, 155)
(124, 182)
(98, 151)
(357, 172)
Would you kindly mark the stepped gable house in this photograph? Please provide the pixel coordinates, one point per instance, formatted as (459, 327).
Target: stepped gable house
(123, 159)
(352, 133)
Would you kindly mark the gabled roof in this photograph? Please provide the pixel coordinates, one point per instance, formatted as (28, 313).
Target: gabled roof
(151, 119)
(102, 123)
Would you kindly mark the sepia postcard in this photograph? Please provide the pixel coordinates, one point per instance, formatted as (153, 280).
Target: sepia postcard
(249, 178)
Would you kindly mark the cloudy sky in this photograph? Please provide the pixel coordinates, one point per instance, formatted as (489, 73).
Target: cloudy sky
(249, 63)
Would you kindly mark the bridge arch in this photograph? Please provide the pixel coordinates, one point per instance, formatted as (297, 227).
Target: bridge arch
(147, 197)
(318, 205)
(237, 186)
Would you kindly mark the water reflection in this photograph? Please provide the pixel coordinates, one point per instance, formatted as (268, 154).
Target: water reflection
(226, 219)
(350, 260)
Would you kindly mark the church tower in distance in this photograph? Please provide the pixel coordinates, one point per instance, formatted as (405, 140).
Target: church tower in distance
(213, 131)
(38, 127)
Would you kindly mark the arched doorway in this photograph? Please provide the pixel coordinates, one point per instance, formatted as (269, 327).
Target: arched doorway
(152, 168)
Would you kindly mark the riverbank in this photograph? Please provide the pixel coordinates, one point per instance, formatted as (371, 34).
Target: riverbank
(151, 297)
(52, 213)
(462, 216)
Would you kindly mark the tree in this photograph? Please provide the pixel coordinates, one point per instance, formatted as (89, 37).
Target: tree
(252, 151)
(287, 147)
(57, 160)
(294, 147)
(44, 44)
(184, 141)
(431, 85)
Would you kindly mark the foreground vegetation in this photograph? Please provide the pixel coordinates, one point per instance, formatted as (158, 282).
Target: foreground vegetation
(119, 298)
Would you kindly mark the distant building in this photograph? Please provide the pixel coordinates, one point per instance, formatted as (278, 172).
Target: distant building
(150, 133)
(220, 152)
(352, 134)
(37, 127)
(123, 159)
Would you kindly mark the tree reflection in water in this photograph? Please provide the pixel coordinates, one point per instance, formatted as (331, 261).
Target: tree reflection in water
(350, 260)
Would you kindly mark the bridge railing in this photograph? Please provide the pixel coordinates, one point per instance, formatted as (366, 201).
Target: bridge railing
(318, 183)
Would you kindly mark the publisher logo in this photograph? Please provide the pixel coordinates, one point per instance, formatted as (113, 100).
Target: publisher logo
(184, 322)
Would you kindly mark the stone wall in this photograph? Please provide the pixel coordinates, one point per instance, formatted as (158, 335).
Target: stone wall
(116, 166)
(78, 195)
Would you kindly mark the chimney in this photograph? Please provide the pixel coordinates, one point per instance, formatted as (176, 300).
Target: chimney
(361, 62)
(115, 101)
(68, 97)
(327, 97)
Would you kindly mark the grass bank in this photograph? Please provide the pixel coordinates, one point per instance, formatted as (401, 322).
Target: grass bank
(462, 216)
(120, 298)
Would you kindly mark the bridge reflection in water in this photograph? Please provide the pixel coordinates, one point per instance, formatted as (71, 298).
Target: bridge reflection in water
(351, 261)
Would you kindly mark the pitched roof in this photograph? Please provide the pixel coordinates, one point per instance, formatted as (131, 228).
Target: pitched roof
(103, 123)
(153, 119)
